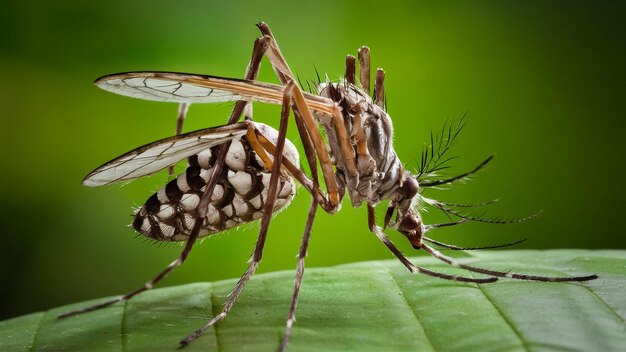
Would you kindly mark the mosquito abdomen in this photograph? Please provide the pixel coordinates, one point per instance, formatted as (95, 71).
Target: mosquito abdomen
(238, 197)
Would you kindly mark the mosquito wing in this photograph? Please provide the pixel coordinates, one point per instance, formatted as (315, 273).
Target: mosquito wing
(158, 155)
(192, 88)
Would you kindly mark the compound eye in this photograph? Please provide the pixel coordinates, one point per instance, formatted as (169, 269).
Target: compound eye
(410, 187)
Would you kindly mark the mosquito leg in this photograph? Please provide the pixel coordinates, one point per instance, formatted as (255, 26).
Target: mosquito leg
(339, 125)
(252, 71)
(350, 69)
(299, 274)
(459, 177)
(302, 111)
(435, 253)
(227, 307)
(258, 141)
(279, 64)
(268, 210)
(303, 248)
(262, 146)
(258, 51)
(407, 263)
(182, 113)
(389, 214)
(310, 135)
(260, 47)
(379, 88)
(364, 68)
(247, 112)
(309, 149)
(148, 285)
(311, 157)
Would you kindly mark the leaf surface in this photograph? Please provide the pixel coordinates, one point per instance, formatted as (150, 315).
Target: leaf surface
(369, 306)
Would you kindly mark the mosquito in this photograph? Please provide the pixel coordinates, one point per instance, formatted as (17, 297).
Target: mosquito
(245, 170)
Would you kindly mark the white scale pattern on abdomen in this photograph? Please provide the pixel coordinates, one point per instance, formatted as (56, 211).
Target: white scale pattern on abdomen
(238, 197)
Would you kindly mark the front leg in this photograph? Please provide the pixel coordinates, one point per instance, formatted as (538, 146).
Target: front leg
(407, 263)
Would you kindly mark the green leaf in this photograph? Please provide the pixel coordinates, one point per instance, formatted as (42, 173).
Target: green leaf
(371, 306)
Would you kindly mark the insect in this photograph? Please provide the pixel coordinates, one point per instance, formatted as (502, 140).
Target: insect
(245, 170)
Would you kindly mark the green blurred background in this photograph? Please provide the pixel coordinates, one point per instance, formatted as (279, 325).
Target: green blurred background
(543, 83)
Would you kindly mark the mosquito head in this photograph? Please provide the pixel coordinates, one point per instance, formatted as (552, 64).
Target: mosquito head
(408, 220)
(411, 226)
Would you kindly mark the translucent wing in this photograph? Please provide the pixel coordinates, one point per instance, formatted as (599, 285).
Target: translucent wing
(158, 155)
(192, 88)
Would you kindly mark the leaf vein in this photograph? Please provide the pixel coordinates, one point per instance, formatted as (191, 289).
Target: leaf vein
(606, 304)
(406, 301)
(37, 330)
(523, 342)
(594, 293)
(123, 323)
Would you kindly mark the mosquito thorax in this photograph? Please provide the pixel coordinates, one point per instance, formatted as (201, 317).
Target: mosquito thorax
(238, 197)
(382, 174)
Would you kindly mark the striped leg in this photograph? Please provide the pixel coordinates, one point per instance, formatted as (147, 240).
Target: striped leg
(303, 246)
(257, 255)
(262, 146)
(404, 260)
(260, 46)
(435, 253)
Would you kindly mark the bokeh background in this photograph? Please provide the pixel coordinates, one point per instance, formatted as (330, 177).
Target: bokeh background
(543, 83)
